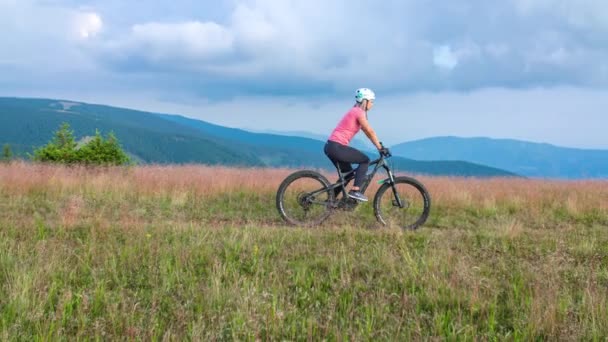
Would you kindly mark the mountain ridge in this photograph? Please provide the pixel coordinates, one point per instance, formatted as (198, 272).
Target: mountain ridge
(531, 159)
(27, 123)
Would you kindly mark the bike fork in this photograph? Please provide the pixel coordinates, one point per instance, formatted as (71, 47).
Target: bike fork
(397, 201)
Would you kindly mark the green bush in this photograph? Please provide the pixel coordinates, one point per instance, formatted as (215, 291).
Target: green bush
(102, 152)
(7, 153)
(63, 149)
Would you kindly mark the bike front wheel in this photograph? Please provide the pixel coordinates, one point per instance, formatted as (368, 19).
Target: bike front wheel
(304, 198)
(405, 203)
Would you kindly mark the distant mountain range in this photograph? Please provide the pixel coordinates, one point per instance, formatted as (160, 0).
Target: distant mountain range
(161, 138)
(282, 150)
(359, 141)
(524, 158)
(521, 157)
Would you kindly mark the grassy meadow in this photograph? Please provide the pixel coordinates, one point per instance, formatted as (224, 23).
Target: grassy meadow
(200, 253)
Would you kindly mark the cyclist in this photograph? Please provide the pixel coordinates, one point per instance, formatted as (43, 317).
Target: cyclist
(337, 148)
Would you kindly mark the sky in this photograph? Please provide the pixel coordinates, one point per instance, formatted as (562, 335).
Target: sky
(534, 70)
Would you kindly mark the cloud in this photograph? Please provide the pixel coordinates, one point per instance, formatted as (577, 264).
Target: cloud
(268, 45)
(262, 45)
(443, 57)
(191, 41)
(298, 48)
(44, 39)
(86, 24)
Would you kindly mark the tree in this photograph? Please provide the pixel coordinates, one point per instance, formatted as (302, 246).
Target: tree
(62, 149)
(98, 151)
(102, 152)
(7, 154)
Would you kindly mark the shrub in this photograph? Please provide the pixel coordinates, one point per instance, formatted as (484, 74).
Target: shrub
(63, 149)
(7, 153)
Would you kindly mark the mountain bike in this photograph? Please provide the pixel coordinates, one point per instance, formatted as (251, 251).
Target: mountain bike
(307, 198)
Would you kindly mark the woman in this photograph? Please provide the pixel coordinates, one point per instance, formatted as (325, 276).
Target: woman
(337, 148)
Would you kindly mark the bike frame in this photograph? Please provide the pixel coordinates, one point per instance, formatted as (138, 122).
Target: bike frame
(343, 181)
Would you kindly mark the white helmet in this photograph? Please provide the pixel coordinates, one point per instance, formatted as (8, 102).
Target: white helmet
(364, 94)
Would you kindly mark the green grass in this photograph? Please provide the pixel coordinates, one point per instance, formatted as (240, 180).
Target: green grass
(113, 264)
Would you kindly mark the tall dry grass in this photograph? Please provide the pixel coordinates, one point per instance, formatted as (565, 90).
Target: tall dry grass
(539, 202)
(20, 178)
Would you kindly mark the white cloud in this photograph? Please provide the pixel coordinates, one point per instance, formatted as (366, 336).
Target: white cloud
(444, 57)
(291, 42)
(252, 28)
(44, 38)
(87, 24)
(192, 40)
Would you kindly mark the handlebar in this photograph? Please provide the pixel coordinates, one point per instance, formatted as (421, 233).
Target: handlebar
(384, 151)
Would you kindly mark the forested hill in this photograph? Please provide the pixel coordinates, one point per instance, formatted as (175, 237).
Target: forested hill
(26, 124)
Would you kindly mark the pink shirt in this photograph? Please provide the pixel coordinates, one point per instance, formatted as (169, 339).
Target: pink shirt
(347, 127)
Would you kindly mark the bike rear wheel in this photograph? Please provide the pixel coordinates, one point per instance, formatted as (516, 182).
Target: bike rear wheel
(303, 198)
(405, 204)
